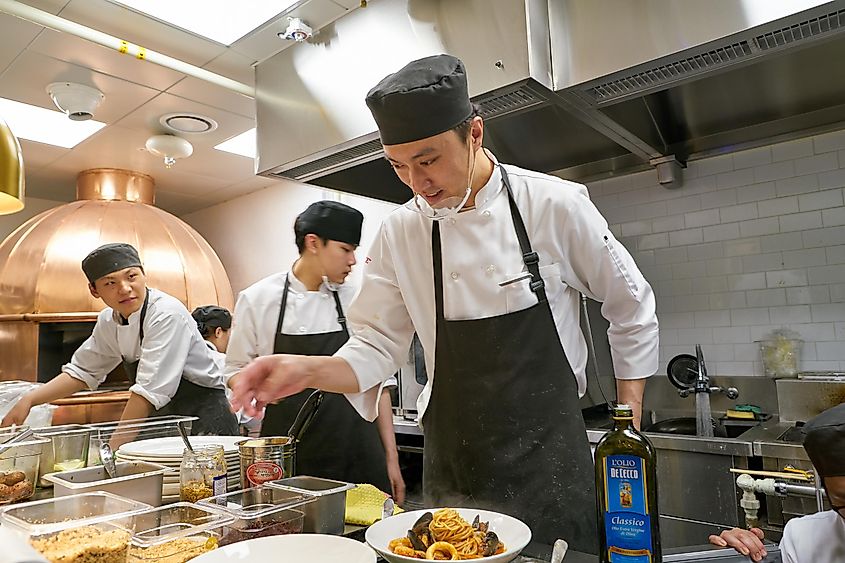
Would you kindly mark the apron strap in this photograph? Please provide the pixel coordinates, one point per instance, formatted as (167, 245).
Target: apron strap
(284, 305)
(437, 264)
(529, 257)
(341, 318)
(143, 316)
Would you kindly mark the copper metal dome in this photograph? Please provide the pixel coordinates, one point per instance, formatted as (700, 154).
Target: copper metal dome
(40, 261)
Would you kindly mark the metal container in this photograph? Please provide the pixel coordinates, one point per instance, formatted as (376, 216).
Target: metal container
(56, 434)
(137, 480)
(266, 459)
(326, 513)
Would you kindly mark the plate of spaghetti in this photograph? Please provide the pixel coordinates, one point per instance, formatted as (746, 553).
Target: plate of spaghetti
(445, 534)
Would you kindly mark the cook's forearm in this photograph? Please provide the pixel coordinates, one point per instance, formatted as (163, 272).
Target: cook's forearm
(331, 373)
(630, 392)
(61, 386)
(385, 426)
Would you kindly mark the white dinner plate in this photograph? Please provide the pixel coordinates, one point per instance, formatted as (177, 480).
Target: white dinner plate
(173, 446)
(512, 532)
(292, 548)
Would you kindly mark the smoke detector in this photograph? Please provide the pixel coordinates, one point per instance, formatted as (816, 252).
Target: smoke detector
(77, 101)
(297, 31)
(170, 147)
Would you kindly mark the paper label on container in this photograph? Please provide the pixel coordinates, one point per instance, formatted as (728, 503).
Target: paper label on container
(218, 485)
(264, 471)
(626, 522)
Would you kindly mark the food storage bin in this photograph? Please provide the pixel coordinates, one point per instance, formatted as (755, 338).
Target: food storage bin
(76, 529)
(326, 513)
(176, 533)
(136, 480)
(260, 511)
(71, 440)
(780, 356)
(19, 463)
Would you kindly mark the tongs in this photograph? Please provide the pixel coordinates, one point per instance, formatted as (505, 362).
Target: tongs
(19, 437)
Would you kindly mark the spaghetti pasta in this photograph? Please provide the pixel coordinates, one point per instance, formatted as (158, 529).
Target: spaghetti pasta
(447, 536)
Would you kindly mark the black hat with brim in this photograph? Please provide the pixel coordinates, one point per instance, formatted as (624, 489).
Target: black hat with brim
(824, 440)
(427, 97)
(110, 258)
(330, 220)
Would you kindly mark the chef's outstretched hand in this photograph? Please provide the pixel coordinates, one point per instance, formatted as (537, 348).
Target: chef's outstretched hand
(746, 542)
(266, 379)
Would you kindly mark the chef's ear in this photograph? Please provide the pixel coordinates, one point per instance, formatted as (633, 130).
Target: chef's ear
(311, 242)
(93, 289)
(476, 132)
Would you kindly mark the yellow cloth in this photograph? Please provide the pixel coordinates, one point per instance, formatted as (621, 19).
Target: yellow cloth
(364, 504)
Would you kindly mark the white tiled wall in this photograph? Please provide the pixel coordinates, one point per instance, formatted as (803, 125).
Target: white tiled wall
(753, 241)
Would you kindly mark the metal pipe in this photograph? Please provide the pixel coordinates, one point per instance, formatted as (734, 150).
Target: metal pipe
(788, 489)
(56, 23)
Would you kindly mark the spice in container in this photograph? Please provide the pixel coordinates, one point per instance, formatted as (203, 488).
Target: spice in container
(87, 544)
(202, 473)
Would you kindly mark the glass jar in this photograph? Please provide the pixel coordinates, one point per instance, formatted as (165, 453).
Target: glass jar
(202, 473)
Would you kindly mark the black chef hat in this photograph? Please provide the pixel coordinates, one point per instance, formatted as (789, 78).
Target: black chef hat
(109, 258)
(330, 220)
(425, 98)
(824, 440)
(210, 316)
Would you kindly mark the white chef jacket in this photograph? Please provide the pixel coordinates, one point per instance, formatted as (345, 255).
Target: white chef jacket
(172, 346)
(815, 538)
(218, 356)
(577, 251)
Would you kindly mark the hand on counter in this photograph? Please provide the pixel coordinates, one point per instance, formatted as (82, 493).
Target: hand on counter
(745, 542)
(17, 415)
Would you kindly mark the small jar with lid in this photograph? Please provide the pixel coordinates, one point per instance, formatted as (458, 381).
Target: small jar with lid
(202, 473)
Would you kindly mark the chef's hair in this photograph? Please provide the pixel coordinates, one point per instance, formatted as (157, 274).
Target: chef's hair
(463, 128)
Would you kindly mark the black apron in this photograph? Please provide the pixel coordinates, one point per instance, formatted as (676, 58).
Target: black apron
(338, 444)
(209, 404)
(503, 428)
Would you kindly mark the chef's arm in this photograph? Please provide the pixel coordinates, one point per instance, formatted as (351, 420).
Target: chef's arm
(387, 433)
(630, 392)
(136, 407)
(59, 387)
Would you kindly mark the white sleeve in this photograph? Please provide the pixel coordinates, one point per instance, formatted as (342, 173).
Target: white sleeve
(95, 359)
(164, 352)
(381, 329)
(600, 267)
(243, 341)
(788, 550)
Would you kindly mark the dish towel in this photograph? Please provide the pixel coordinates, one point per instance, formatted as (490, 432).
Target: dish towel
(364, 504)
(17, 550)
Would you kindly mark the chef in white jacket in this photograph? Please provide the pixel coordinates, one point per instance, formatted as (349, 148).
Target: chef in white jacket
(485, 263)
(819, 537)
(214, 323)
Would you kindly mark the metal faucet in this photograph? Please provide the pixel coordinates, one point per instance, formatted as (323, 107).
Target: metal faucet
(702, 390)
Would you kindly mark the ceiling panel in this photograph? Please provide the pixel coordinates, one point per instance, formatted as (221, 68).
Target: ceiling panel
(242, 188)
(178, 204)
(181, 182)
(56, 185)
(36, 155)
(201, 91)
(107, 61)
(121, 22)
(16, 34)
(27, 78)
(111, 147)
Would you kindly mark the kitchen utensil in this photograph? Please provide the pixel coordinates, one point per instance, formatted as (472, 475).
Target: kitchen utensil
(184, 435)
(511, 531)
(683, 371)
(107, 457)
(21, 436)
(305, 415)
(314, 548)
(559, 551)
(271, 458)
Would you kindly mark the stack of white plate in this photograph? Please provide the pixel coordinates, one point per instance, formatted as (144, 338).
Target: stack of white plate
(168, 451)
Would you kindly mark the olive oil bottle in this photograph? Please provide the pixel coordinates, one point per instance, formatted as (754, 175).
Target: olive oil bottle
(626, 493)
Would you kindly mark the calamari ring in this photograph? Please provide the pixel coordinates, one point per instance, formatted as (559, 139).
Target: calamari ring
(443, 548)
(407, 552)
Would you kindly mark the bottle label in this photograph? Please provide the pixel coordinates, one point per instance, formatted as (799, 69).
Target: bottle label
(218, 484)
(263, 471)
(627, 524)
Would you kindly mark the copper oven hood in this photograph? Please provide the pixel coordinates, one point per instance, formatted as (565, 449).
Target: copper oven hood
(41, 280)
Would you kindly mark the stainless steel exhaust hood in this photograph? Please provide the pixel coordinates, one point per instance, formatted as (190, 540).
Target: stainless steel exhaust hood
(580, 88)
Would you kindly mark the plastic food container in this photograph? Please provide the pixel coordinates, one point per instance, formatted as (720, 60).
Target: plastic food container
(176, 533)
(72, 442)
(260, 511)
(136, 480)
(781, 356)
(92, 527)
(326, 513)
(19, 463)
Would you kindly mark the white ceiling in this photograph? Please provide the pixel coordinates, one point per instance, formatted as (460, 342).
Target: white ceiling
(138, 93)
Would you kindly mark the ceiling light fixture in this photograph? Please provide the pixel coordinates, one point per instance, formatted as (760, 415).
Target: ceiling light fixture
(42, 125)
(11, 171)
(170, 147)
(242, 145)
(297, 31)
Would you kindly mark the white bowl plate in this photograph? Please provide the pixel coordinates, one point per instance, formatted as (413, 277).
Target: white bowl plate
(292, 548)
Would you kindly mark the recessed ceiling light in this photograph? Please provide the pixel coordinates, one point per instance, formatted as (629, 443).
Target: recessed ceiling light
(188, 122)
(243, 144)
(46, 126)
(220, 20)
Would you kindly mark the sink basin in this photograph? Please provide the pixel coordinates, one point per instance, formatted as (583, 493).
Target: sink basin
(684, 426)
